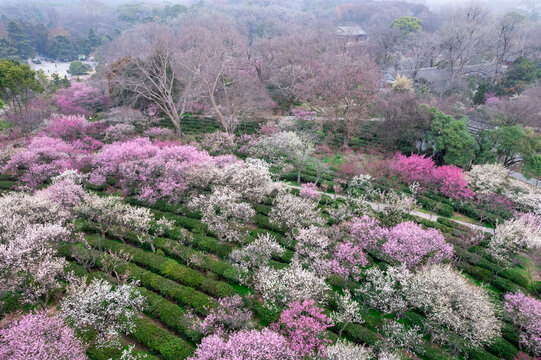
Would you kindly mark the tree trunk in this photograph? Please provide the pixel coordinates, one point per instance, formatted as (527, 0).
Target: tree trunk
(299, 175)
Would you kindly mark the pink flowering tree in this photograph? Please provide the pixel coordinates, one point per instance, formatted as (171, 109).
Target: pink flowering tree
(228, 317)
(367, 232)
(39, 336)
(247, 345)
(77, 131)
(525, 314)
(44, 158)
(304, 325)
(64, 191)
(81, 99)
(310, 191)
(151, 171)
(410, 244)
(448, 179)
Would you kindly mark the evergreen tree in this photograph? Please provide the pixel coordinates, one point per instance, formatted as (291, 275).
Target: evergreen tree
(17, 39)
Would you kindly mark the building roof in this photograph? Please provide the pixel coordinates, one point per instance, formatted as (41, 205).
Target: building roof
(354, 30)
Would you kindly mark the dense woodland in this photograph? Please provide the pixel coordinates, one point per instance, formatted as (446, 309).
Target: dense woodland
(271, 180)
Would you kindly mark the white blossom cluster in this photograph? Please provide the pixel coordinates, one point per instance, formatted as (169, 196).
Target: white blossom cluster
(312, 250)
(256, 254)
(453, 304)
(343, 350)
(109, 310)
(487, 178)
(225, 213)
(386, 290)
(251, 178)
(280, 287)
(294, 212)
(514, 236)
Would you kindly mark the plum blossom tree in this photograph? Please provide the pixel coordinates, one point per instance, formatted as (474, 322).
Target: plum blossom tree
(30, 227)
(515, 236)
(44, 158)
(487, 178)
(224, 213)
(251, 178)
(453, 304)
(343, 350)
(312, 250)
(348, 311)
(109, 310)
(64, 191)
(246, 344)
(525, 314)
(385, 290)
(227, 318)
(293, 213)
(447, 179)
(280, 287)
(310, 191)
(81, 99)
(410, 244)
(39, 336)
(286, 147)
(396, 337)
(255, 254)
(304, 325)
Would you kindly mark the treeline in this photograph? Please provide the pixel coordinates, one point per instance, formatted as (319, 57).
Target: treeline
(25, 40)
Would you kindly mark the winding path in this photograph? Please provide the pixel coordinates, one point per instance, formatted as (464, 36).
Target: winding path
(379, 207)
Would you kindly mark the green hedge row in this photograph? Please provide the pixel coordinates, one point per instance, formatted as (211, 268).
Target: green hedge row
(161, 340)
(169, 314)
(167, 267)
(183, 295)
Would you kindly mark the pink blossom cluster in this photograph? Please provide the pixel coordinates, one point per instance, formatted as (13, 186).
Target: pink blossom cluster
(304, 325)
(77, 130)
(65, 192)
(229, 316)
(158, 132)
(448, 179)
(44, 158)
(406, 242)
(39, 336)
(310, 191)
(525, 313)
(303, 114)
(81, 99)
(152, 171)
(247, 345)
(410, 244)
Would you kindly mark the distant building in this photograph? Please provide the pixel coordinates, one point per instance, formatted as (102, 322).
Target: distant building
(353, 33)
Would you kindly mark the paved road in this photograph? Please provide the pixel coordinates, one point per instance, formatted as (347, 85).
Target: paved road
(61, 68)
(379, 207)
(521, 177)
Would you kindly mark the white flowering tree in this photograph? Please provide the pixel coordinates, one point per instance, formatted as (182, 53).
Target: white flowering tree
(251, 178)
(396, 337)
(312, 250)
(225, 213)
(255, 254)
(282, 286)
(105, 212)
(107, 309)
(285, 147)
(293, 213)
(515, 236)
(386, 290)
(348, 311)
(453, 305)
(487, 178)
(343, 350)
(30, 228)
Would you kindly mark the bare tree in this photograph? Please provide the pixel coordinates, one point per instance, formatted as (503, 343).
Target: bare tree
(462, 39)
(341, 89)
(418, 50)
(506, 34)
(156, 68)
